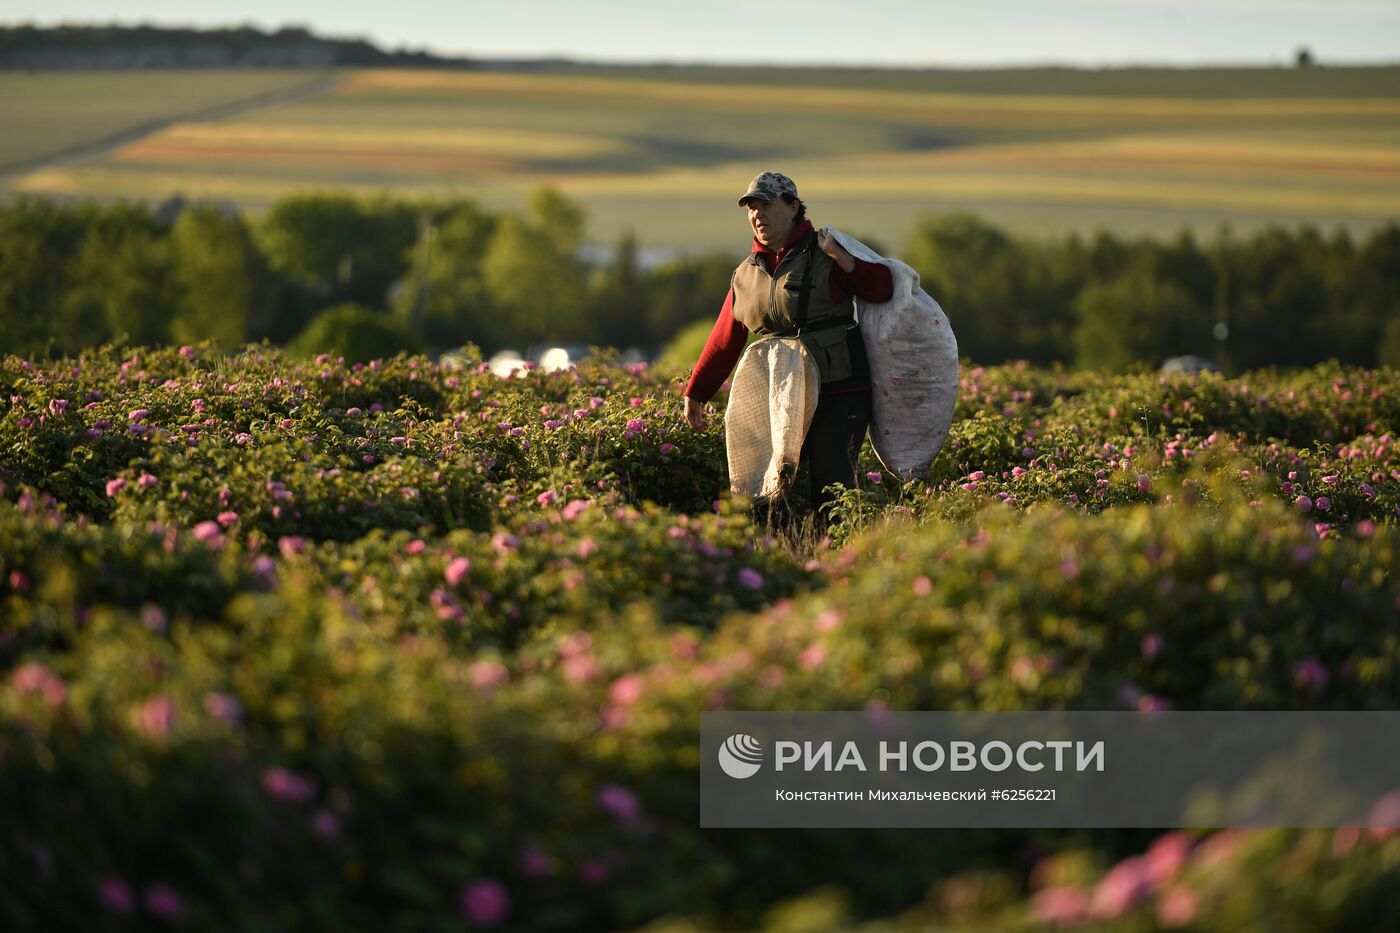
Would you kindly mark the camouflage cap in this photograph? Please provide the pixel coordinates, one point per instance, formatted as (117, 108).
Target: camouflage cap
(769, 186)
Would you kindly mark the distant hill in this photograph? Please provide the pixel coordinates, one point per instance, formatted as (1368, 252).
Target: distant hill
(153, 47)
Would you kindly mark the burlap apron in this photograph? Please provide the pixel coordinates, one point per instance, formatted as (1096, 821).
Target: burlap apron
(772, 399)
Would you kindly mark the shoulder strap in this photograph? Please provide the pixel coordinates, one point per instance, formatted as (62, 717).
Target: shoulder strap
(805, 294)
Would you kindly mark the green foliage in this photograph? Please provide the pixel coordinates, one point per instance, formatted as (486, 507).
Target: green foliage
(1136, 317)
(445, 296)
(397, 631)
(357, 333)
(685, 290)
(684, 349)
(453, 272)
(533, 271)
(37, 241)
(119, 281)
(343, 248)
(377, 634)
(618, 312)
(222, 286)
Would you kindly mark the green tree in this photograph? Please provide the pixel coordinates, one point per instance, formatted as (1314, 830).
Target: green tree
(618, 300)
(222, 289)
(38, 241)
(1272, 296)
(1137, 318)
(340, 248)
(684, 290)
(995, 291)
(445, 296)
(534, 274)
(120, 281)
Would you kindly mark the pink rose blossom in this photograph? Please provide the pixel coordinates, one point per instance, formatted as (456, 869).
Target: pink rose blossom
(1323, 504)
(580, 668)
(155, 719)
(1303, 503)
(445, 605)
(115, 895)
(546, 498)
(594, 871)
(208, 531)
(415, 547)
(1060, 904)
(1120, 889)
(812, 657)
(287, 786)
(222, 706)
(486, 676)
(34, 678)
(535, 862)
(627, 689)
(456, 571)
(1177, 907)
(325, 825)
(146, 480)
(1310, 673)
(1165, 857)
(163, 902)
(115, 486)
(619, 803)
(485, 902)
(575, 508)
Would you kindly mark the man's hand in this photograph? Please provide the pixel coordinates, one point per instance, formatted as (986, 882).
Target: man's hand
(835, 250)
(695, 414)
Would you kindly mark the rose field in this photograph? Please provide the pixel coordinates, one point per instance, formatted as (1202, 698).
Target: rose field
(293, 645)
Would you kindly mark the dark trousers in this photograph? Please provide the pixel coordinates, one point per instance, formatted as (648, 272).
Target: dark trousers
(832, 446)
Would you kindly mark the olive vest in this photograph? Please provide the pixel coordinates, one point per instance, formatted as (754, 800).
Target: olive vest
(767, 305)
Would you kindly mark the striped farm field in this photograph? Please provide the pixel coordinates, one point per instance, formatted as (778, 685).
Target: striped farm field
(663, 153)
(47, 115)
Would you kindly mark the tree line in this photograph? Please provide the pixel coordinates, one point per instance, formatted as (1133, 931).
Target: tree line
(149, 46)
(371, 276)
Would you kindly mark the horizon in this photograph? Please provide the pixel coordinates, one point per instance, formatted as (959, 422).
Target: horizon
(1002, 35)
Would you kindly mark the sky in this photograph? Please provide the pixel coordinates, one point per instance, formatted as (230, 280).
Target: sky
(917, 33)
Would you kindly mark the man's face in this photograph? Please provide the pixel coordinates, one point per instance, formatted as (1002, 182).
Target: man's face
(772, 221)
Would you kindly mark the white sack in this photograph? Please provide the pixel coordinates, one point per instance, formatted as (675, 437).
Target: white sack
(772, 399)
(913, 367)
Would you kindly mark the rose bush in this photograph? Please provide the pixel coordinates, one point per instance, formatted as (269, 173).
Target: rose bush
(292, 645)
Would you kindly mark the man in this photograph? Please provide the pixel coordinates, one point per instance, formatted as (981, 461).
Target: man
(764, 298)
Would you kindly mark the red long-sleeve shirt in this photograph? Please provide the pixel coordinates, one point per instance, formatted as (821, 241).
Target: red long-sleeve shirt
(868, 281)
